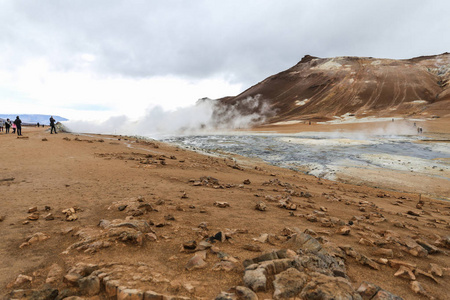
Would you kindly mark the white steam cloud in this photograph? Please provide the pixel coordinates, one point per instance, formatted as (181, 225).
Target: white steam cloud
(205, 116)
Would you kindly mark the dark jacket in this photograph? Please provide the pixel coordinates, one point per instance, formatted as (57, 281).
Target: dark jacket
(18, 122)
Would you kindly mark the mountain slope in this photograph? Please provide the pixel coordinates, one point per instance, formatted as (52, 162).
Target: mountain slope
(321, 88)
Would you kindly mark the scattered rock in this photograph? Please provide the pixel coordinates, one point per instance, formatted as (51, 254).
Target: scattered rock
(344, 230)
(70, 214)
(37, 237)
(20, 280)
(418, 289)
(196, 262)
(32, 209)
(261, 206)
(418, 272)
(246, 181)
(436, 270)
(403, 270)
(34, 216)
(371, 291)
(122, 207)
(413, 213)
(384, 252)
(427, 246)
(224, 265)
(191, 245)
(221, 204)
(251, 247)
(49, 217)
(414, 248)
(420, 204)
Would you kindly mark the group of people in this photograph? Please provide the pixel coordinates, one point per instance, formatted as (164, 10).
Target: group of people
(17, 125)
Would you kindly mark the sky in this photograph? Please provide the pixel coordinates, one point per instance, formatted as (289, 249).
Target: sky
(92, 60)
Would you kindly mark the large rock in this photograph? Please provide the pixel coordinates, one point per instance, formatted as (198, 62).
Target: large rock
(124, 293)
(111, 287)
(45, 294)
(321, 263)
(303, 241)
(289, 283)
(89, 285)
(325, 287)
(256, 279)
(280, 254)
(244, 293)
(54, 274)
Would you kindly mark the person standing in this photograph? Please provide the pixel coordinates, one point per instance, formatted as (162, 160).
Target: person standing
(7, 125)
(2, 124)
(52, 125)
(18, 123)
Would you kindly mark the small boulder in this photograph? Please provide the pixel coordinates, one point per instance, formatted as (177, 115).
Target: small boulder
(89, 285)
(289, 283)
(261, 206)
(124, 293)
(221, 204)
(344, 230)
(196, 262)
(244, 293)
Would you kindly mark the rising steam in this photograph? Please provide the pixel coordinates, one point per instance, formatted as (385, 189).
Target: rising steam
(205, 116)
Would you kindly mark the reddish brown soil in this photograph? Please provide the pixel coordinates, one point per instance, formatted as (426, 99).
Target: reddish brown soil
(91, 175)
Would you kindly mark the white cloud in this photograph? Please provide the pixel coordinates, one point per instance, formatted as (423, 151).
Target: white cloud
(75, 57)
(85, 95)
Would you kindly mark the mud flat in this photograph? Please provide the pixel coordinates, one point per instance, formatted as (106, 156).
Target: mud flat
(111, 216)
(405, 166)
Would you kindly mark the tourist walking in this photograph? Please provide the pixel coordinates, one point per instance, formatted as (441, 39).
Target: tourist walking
(2, 124)
(7, 125)
(52, 125)
(18, 123)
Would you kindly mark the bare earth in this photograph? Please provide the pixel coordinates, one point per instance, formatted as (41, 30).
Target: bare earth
(112, 177)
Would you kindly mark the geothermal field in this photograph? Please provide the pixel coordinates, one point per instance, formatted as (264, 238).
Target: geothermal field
(251, 215)
(330, 180)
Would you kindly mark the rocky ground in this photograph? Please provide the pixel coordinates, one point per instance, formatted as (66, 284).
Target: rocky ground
(106, 217)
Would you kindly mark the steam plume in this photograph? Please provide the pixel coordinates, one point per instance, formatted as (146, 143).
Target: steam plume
(206, 115)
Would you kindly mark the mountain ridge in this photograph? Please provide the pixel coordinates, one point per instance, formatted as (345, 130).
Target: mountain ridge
(324, 88)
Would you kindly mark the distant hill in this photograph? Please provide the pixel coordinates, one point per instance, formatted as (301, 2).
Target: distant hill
(322, 88)
(33, 118)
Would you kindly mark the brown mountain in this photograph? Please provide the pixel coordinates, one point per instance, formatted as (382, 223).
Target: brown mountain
(321, 88)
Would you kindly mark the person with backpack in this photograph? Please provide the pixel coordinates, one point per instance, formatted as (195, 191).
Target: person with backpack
(52, 125)
(18, 123)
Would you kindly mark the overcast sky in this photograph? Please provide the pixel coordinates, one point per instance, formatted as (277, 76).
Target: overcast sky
(97, 58)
